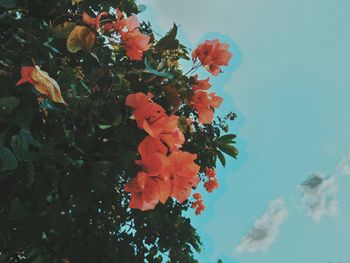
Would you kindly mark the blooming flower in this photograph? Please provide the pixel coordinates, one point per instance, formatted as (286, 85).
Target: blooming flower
(152, 118)
(26, 75)
(135, 43)
(198, 204)
(212, 54)
(94, 22)
(183, 174)
(201, 84)
(147, 191)
(126, 24)
(154, 160)
(204, 103)
(173, 139)
(212, 182)
(210, 172)
(137, 100)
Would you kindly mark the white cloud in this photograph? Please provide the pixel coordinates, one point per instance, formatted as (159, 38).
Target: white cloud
(344, 165)
(265, 229)
(319, 196)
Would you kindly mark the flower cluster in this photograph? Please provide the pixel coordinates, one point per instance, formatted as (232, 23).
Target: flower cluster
(212, 182)
(166, 171)
(133, 41)
(212, 54)
(198, 204)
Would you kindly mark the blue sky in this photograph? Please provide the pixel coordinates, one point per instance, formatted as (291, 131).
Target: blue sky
(289, 82)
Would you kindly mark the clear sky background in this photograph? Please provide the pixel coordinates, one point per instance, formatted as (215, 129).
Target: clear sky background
(289, 83)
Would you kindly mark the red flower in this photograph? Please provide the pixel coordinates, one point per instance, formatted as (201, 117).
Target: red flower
(212, 182)
(212, 54)
(198, 204)
(135, 43)
(138, 99)
(125, 24)
(204, 103)
(154, 160)
(94, 22)
(147, 116)
(197, 196)
(173, 139)
(183, 174)
(147, 191)
(26, 75)
(210, 172)
(201, 84)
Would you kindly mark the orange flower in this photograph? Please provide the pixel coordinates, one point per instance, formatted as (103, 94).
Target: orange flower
(26, 73)
(94, 22)
(125, 24)
(183, 174)
(212, 54)
(147, 191)
(154, 160)
(197, 196)
(122, 24)
(138, 99)
(135, 43)
(210, 172)
(198, 204)
(201, 84)
(174, 139)
(152, 118)
(147, 117)
(212, 182)
(204, 103)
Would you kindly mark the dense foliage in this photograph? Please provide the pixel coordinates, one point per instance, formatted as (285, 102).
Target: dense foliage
(71, 131)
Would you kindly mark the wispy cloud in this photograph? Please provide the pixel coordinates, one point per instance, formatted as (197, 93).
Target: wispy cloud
(318, 196)
(265, 229)
(344, 165)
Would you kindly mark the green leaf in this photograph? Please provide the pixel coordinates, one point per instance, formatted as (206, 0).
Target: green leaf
(20, 145)
(62, 31)
(227, 138)
(104, 127)
(141, 8)
(163, 73)
(8, 3)
(169, 41)
(221, 158)
(31, 174)
(18, 211)
(8, 159)
(229, 149)
(7, 104)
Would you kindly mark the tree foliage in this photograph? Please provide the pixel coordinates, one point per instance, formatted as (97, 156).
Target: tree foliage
(68, 142)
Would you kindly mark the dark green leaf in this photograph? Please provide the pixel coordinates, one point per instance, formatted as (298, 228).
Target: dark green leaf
(8, 159)
(221, 158)
(229, 149)
(169, 41)
(7, 104)
(227, 138)
(18, 211)
(8, 3)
